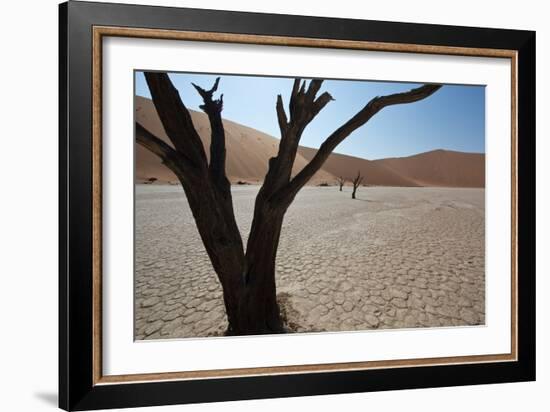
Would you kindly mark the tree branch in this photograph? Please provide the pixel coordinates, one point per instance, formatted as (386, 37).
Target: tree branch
(176, 119)
(211, 205)
(303, 107)
(281, 115)
(362, 117)
(166, 153)
(357, 180)
(213, 108)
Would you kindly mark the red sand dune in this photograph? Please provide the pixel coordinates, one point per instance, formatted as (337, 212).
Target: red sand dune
(348, 166)
(440, 168)
(249, 150)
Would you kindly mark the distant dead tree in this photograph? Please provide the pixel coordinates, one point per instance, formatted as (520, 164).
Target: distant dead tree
(247, 276)
(341, 182)
(356, 183)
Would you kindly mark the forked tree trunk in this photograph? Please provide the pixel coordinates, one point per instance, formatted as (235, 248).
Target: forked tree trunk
(251, 305)
(259, 310)
(247, 279)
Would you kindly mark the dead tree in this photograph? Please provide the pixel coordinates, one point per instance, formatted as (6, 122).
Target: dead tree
(247, 275)
(356, 183)
(341, 182)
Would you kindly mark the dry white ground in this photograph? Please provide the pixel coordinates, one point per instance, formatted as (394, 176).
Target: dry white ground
(393, 258)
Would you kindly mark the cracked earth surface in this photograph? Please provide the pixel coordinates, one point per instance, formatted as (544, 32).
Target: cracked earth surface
(393, 258)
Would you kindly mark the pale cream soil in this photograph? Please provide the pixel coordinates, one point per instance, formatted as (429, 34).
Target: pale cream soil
(393, 258)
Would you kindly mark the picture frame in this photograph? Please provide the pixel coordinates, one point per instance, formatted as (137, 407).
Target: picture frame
(82, 29)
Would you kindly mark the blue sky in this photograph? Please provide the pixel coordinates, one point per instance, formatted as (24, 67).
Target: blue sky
(453, 118)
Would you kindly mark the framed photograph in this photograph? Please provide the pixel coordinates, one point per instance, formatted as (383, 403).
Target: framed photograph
(257, 206)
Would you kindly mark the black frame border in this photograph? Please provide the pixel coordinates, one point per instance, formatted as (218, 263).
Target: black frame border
(76, 388)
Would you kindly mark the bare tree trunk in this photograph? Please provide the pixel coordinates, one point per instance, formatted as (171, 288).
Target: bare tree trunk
(356, 183)
(247, 279)
(260, 311)
(341, 182)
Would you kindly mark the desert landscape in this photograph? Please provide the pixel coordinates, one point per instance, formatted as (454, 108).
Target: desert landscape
(407, 253)
(249, 151)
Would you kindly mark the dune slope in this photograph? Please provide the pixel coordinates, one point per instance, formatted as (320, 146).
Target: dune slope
(249, 151)
(440, 168)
